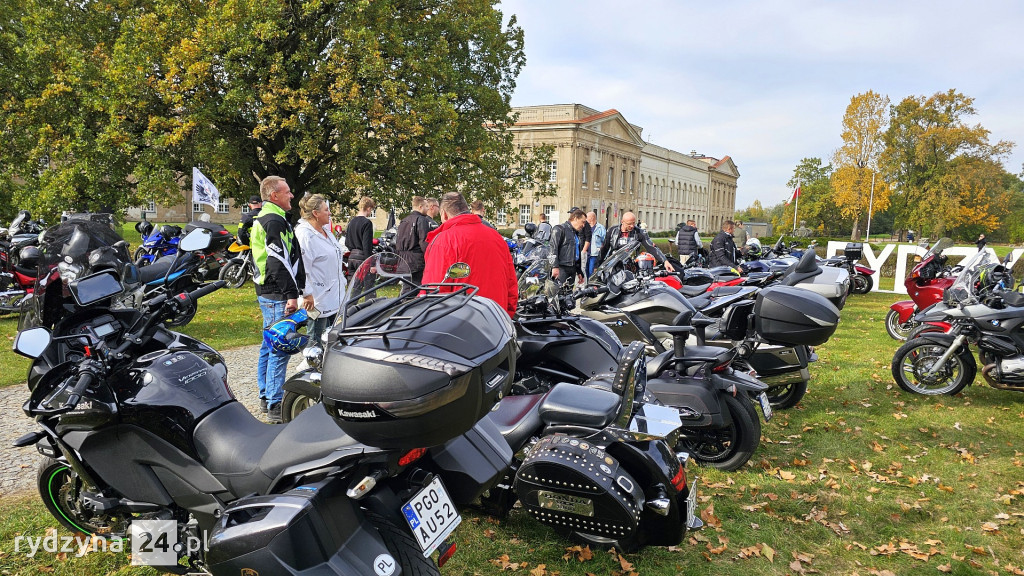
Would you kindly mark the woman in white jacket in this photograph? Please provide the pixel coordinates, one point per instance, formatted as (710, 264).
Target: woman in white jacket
(322, 259)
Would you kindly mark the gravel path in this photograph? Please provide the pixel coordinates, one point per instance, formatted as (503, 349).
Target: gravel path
(18, 465)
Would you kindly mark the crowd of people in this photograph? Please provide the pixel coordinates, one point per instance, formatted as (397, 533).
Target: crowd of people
(303, 266)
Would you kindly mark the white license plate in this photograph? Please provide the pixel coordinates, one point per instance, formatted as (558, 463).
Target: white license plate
(691, 503)
(766, 406)
(431, 516)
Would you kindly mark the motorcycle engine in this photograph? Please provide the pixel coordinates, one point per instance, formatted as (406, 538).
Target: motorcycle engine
(1010, 370)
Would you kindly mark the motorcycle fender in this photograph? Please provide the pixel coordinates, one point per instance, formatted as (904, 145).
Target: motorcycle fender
(939, 338)
(738, 381)
(306, 383)
(651, 463)
(905, 309)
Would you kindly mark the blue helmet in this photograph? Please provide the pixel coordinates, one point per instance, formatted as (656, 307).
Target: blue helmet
(283, 335)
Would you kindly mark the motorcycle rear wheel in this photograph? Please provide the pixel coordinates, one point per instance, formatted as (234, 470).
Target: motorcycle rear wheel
(403, 547)
(917, 356)
(785, 396)
(727, 448)
(860, 284)
(896, 330)
(60, 487)
(294, 403)
(235, 274)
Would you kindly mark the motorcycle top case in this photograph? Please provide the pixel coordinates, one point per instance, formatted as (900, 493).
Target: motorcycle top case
(854, 251)
(794, 316)
(568, 482)
(423, 386)
(220, 238)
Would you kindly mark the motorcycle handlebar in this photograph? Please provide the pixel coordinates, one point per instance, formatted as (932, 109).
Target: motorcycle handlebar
(85, 379)
(206, 289)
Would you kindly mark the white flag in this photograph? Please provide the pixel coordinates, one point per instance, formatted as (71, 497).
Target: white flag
(203, 191)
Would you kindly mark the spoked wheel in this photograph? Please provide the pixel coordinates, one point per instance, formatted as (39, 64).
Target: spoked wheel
(860, 284)
(730, 447)
(914, 360)
(896, 330)
(235, 274)
(786, 396)
(60, 488)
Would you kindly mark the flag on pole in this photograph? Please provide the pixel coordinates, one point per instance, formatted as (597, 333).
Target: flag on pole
(796, 194)
(203, 191)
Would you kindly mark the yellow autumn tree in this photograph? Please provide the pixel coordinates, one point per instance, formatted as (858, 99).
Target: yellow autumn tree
(856, 161)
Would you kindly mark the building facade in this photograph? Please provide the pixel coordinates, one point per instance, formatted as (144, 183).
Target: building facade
(602, 164)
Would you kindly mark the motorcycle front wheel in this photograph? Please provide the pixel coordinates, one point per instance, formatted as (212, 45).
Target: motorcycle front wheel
(896, 330)
(726, 448)
(913, 360)
(294, 403)
(235, 274)
(60, 488)
(860, 284)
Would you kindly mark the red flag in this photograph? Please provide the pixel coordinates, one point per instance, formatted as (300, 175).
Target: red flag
(796, 194)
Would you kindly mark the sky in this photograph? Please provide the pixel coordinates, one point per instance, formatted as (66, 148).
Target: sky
(767, 82)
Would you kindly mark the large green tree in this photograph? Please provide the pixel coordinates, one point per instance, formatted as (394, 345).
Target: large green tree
(384, 97)
(946, 175)
(817, 206)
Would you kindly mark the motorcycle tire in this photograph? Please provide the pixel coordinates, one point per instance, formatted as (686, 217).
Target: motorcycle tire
(294, 403)
(235, 274)
(59, 487)
(403, 547)
(785, 396)
(896, 330)
(727, 448)
(915, 358)
(860, 284)
(139, 253)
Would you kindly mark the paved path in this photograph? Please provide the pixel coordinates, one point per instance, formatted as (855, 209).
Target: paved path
(18, 465)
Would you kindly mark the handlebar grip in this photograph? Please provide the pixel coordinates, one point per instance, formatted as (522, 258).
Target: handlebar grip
(206, 289)
(85, 379)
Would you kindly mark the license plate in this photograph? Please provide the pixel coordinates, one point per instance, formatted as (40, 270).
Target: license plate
(766, 406)
(431, 516)
(691, 504)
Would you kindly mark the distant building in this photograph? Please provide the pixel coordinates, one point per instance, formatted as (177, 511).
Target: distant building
(225, 213)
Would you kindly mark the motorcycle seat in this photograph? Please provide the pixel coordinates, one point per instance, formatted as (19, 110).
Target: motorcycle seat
(246, 455)
(517, 418)
(701, 301)
(30, 272)
(156, 270)
(1013, 299)
(715, 354)
(691, 291)
(569, 404)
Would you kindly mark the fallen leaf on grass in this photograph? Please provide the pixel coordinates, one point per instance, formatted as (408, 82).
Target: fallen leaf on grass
(581, 553)
(990, 527)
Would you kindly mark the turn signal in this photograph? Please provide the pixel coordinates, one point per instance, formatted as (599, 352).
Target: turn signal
(679, 480)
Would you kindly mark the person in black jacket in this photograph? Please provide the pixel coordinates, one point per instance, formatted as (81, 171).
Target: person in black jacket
(565, 245)
(255, 204)
(687, 241)
(626, 232)
(723, 248)
(359, 234)
(411, 237)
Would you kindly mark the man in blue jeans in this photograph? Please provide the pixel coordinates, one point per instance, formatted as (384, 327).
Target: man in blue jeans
(280, 280)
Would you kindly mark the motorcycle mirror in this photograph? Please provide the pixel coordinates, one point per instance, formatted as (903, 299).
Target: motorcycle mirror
(458, 271)
(32, 342)
(198, 239)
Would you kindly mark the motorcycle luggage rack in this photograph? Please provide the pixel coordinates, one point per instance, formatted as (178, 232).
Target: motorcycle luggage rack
(430, 293)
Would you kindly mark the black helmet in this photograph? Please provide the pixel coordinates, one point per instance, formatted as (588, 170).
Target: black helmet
(530, 228)
(28, 257)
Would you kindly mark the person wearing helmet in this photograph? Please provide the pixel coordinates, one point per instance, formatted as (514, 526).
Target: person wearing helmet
(753, 248)
(280, 280)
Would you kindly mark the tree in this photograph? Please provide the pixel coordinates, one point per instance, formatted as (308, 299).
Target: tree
(816, 204)
(387, 98)
(945, 173)
(855, 179)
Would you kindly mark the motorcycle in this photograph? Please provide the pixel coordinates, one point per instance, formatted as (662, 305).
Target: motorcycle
(239, 268)
(860, 276)
(19, 255)
(137, 422)
(980, 309)
(926, 283)
(156, 242)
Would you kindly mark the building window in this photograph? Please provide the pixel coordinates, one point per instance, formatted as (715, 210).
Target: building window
(553, 171)
(501, 217)
(222, 207)
(524, 214)
(373, 214)
(548, 209)
(586, 165)
(197, 207)
(632, 181)
(622, 182)
(611, 177)
(597, 176)
(151, 207)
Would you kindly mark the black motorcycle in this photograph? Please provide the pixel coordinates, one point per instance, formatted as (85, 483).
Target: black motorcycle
(137, 422)
(979, 309)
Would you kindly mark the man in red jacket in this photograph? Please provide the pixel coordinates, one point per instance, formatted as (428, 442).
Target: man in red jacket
(463, 237)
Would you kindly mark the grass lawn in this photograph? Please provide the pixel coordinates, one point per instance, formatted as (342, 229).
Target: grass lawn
(861, 478)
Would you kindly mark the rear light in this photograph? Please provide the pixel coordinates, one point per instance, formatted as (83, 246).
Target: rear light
(679, 480)
(412, 456)
(447, 551)
(722, 367)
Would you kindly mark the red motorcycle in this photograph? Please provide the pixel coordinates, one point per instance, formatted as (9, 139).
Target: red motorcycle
(925, 284)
